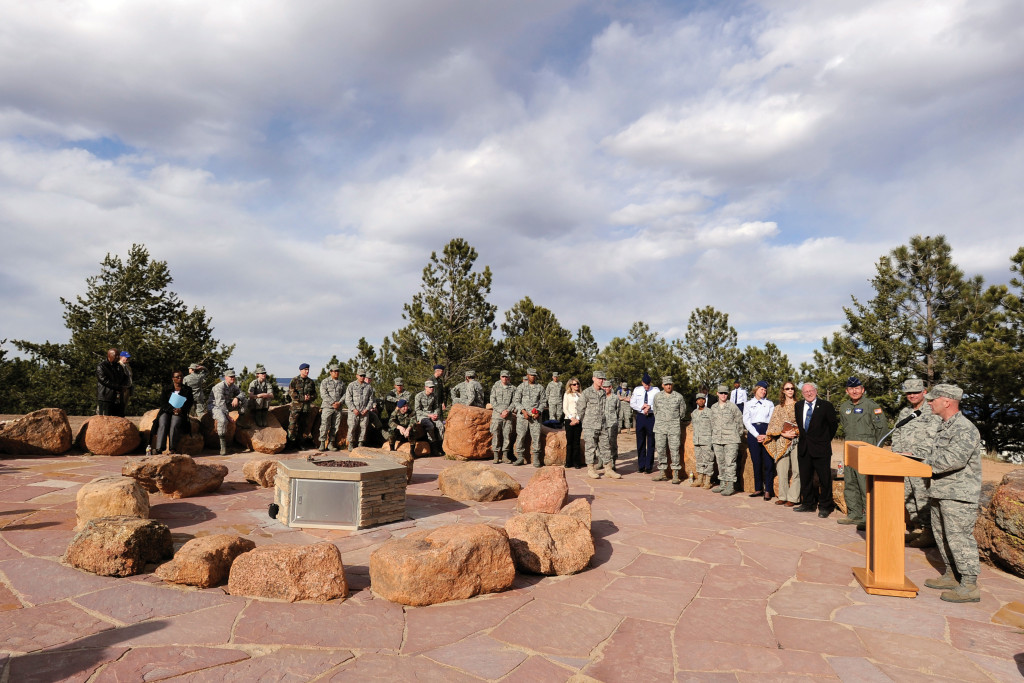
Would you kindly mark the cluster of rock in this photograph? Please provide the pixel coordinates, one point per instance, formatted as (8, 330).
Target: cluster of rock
(1000, 527)
(45, 432)
(467, 436)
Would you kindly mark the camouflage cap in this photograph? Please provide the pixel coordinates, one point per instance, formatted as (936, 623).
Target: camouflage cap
(702, 395)
(429, 383)
(912, 386)
(531, 371)
(260, 370)
(470, 373)
(229, 373)
(667, 379)
(945, 391)
(504, 373)
(333, 368)
(722, 389)
(194, 366)
(624, 385)
(554, 374)
(598, 374)
(606, 383)
(399, 382)
(361, 372)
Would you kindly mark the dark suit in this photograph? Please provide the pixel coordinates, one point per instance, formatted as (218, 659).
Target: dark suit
(814, 454)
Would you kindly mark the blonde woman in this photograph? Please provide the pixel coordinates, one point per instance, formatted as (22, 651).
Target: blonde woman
(781, 445)
(573, 426)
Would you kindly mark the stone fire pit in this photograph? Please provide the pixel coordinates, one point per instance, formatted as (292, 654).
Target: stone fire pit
(340, 493)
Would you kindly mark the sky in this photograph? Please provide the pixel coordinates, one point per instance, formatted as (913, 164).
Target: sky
(296, 163)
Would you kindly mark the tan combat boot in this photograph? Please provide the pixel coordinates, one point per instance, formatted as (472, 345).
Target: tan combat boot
(592, 472)
(609, 471)
(947, 580)
(925, 539)
(675, 477)
(966, 591)
(698, 480)
(707, 482)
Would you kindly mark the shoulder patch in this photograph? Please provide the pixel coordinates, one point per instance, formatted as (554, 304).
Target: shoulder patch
(856, 410)
(878, 411)
(848, 411)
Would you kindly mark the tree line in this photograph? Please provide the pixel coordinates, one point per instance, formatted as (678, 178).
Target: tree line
(925, 319)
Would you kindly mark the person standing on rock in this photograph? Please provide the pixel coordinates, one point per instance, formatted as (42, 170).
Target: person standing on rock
(124, 360)
(915, 439)
(554, 391)
(302, 411)
(440, 391)
(502, 410)
(726, 428)
(612, 411)
(170, 419)
(640, 403)
(395, 395)
(225, 399)
(591, 411)
(955, 490)
(332, 393)
(402, 426)
(669, 412)
(110, 384)
(470, 392)
(573, 427)
(700, 418)
(862, 420)
(196, 381)
(428, 414)
(626, 414)
(360, 400)
(530, 402)
(261, 393)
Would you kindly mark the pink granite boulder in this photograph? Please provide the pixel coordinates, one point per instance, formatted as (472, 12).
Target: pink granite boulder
(109, 435)
(546, 492)
(467, 433)
(204, 561)
(119, 546)
(177, 476)
(269, 440)
(261, 472)
(558, 544)
(43, 432)
(289, 572)
(115, 496)
(477, 481)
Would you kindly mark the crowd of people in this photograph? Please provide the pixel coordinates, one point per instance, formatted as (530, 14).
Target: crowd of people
(791, 438)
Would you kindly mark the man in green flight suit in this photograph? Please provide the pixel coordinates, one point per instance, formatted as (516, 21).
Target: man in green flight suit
(862, 420)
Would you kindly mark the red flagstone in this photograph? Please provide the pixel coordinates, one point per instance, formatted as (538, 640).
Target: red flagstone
(815, 569)
(809, 600)
(480, 656)
(357, 624)
(284, 665)
(651, 598)
(375, 667)
(891, 616)
(777, 563)
(737, 583)
(659, 545)
(575, 589)
(131, 602)
(857, 669)
(772, 537)
(718, 550)
(156, 663)
(935, 658)
(35, 628)
(39, 542)
(435, 626)
(41, 581)
(8, 600)
(557, 629)
(74, 665)
(985, 639)
(667, 568)
(638, 651)
(811, 635)
(539, 670)
(203, 627)
(701, 655)
(728, 621)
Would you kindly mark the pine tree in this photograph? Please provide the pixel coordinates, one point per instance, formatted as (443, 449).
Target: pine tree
(768, 364)
(533, 337)
(709, 349)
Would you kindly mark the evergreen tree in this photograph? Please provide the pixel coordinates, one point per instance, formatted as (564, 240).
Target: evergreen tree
(586, 354)
(768, 364)
(830, 369)
(643, 350)
(709, 349)
(533, 337)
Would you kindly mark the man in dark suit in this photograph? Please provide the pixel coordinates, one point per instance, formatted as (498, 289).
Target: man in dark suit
(816, 423)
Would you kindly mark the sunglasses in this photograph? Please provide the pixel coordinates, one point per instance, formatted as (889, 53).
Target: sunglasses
(789, 388)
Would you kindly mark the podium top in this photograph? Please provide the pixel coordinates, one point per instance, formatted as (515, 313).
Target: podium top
(868, 459)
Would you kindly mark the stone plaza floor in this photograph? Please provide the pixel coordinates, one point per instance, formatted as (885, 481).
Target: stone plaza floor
(686, 585)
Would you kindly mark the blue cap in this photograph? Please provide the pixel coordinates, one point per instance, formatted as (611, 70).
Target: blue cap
(853, 382)
(401, 402)
(304, 366)
(439, 367)
(125, 354)
(762, 384)
(646, 379)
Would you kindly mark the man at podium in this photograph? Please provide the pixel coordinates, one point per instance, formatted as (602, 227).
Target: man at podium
(955, 490)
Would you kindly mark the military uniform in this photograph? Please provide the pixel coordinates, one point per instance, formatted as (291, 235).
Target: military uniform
(469, 393)
(626, 415)
(331, 391)
(612, 414)
(862, 421)
(392, 398)
(259, 407)
(669, 413)
(223, 394)
(726, 427)
(954, 492)
(554, 392)
(301, 412)
(359, 396)
(426, 405)
(196, 381)
(702, 451)
(502, 397)
(407, 420)
(529, 397)
(916, 437)
(592, 417)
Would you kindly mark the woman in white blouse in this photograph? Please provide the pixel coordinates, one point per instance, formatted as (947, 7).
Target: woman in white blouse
(573, 426)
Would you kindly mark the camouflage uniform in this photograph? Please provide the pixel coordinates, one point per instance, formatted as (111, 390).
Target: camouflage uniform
(331, 391)
(358, 396)
(502, 397)
(954, 492)
(669, 413)
(196, 381)
(406, 419)
(554, 391)
(425, 406)
(301, 413)
(702, 452)
(726, 427)
(469, 393)
(591, 410)
(863, 421)
(916, 437)
(529, 397)
(626, 416)
(259, 407)
(612, 413)
(223, 393)
(392, 398)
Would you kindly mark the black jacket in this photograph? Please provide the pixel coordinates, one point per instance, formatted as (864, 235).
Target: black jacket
(816, 440)
(165, 398)
(110, 381)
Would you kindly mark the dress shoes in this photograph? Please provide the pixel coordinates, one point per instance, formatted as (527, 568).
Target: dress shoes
(768, 496)
(780, 502)
(755, 494)
(803, 508)
(824, 513)
(790, 504)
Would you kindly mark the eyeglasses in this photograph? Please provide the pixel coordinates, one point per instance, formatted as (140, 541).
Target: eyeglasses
(789, 388)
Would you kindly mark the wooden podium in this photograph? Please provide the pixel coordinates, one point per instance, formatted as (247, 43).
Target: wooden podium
(884, 470)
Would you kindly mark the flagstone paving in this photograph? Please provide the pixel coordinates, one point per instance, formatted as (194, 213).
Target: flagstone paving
(685, 586)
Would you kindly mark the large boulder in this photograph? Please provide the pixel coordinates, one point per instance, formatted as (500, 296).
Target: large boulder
(547, 491)
(399, 457)
(555, 445)
(261, 472)
(111, 497)
(477, 481)
(205, 561)
(422, 449)
(109, 435)
(281, 413)
(552, 544)
(177, 476)
(452, 562)
(269, 440)
(208, 428)
(119, 546)
(190, 440)
(43, 432)
(1000, 528)
(289, 572)
(467, 433)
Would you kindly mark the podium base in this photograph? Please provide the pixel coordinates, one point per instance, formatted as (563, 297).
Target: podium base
(866, 581)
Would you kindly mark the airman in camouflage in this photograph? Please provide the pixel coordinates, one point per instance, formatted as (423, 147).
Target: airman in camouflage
(916, 438)
(502, 411)
(726, 430)
(612, 410)
(225, 399)
(360, 399)
(470, 392)
(427, 407)
(626, 415)
(196, 381)
(862, 420)
(395, 395)
(700, 418)
(555, 390)
(669, 412)
(529, 403)
(954, 492)
(592, 416)
(302, 411)
(332, 393)
(402, 426)
(261, 393)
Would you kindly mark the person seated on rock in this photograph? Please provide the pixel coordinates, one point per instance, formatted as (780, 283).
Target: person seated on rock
(428, 415)
(226, 397)
(470, 392)
(261, 393)
(395, 395)
(403, 427)
(170, 419)
(196, 381)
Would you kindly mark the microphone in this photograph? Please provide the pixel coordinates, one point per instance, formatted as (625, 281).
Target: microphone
(913, 416)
